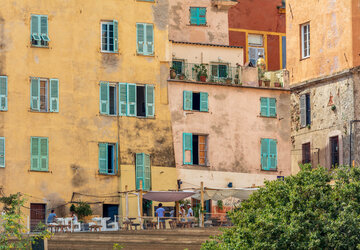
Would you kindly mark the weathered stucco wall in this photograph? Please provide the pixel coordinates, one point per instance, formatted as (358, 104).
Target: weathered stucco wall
(330, 48)
(325, 122)
(233, 112)
(74, 58)
(215, 31)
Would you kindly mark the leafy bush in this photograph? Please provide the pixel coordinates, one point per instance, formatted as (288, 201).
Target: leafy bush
(83, 209)
(304, 211)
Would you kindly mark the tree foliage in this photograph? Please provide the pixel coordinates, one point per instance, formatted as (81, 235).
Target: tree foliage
(83, 209)
(314, 209)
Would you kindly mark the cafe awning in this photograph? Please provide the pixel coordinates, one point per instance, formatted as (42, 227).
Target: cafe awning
(167, 196)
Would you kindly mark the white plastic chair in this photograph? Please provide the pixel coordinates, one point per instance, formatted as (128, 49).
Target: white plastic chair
(114, 225)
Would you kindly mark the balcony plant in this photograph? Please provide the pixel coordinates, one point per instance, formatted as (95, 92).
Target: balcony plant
(172, 73)
(236, 79)
(228, 80)
(277, 84)
(181, 76)
(200, 71)
(266, 82)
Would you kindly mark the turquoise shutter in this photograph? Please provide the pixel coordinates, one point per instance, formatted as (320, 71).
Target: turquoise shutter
(264, 106)
(272, 107)
(2, 152)
(122, 99)
(3, 93)
(35, 94)
(139, 169)
(103, 159)
(117, 159)
(202, 16)
(116, 36)
(303, 111)
(187, 148)
(54, 95)
(264, 154)
(147, 172)
(44, 28)
(35, 31)
(44, 154)
(131, 99)
(35, 153)
(193, 16)
(272, 163)
(104, 98)
(203, 101)
(140, 38)
(149, 39)
(187, 100)
(150, 100)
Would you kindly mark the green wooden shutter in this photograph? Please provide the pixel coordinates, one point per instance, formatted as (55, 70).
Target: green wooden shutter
(187, 100)
(44, 154)
(117, 159)
(202, 16)
(149, 39)
(44, 28)
(272, 107)
(150, 100)
(264, 106)
(272, 163)
(122, 99)
(140, 38)
(2, 152)
(203, 101)
(214, 70)
(303, 111)
(139, 171)
(187, 148)
(35, 153)
(104, 98)
(193, 15)
(35, 94)
(264, 154)
(3, 93)
(35, 30)
(103, 158)
(116, 36)
(147, 173)
(131, 101)
(54, 95)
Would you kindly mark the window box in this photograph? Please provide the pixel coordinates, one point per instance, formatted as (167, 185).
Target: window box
(224, 4)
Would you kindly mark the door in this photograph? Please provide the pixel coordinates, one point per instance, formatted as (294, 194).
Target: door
(110, 211)
(334, 147)
(37, 215)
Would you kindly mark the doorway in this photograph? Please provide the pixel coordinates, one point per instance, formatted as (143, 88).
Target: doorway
(334, 151)
(110, 210)
(37, 215)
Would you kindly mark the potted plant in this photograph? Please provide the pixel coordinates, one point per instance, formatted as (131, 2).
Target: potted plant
(236, 79)
(83, 210)
(267, 82)
(201, 72)
(260, 83)
(228, 80)
(181, 76)
(277, 84)
(220, 205)
(172, 73)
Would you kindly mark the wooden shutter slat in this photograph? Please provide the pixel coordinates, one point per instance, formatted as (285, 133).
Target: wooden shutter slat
(3, 93)
(139, 171)
(2, 152)
(149, 39)
(187, 149)
(35, 153)
(264, 151)
(116, 36)
(150, 100)
(35, 94)
(140, 38)
(303, 111)
(44, 154)
(187, 95)
(272, 164)
(272, 107)
(104, 98)
(264, 106)
(147, 172)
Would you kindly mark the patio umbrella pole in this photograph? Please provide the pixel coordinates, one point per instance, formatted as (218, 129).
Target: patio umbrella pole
(126, 202)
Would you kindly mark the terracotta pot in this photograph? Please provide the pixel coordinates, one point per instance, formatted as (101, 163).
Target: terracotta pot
(277, 84)
(236, 81)
(172, 74)
(228, 81)
(260, 83)
(267, 83)
(203, 78)
(181, 77)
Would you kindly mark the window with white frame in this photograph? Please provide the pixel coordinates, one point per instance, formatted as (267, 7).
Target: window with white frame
(44, 94)
(109, 36)
(305, 40)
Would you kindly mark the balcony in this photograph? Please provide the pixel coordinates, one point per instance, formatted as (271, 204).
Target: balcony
(224, 4)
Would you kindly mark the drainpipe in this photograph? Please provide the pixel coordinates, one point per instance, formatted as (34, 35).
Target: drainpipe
(351, 123)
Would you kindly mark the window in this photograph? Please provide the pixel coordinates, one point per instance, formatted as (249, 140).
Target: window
(219, 70)
(134, 100)
(109, 36)
(305, 112)
(39, 31)
(195, 101)
(2, 152)
(39, 154)
(254, 54)
(178, 66)
(255, 40)
(305, 40)
(267, 107)
(334, 151)
(197, 16)
(108, 159)
(268, 154)
(306, 153)
(143, 171)
(3, 93)
(44, 96)
(255, 47)
(145, 38)
(194, 149)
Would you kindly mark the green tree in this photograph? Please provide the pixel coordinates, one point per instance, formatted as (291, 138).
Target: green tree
(13, 233)
(315, 209)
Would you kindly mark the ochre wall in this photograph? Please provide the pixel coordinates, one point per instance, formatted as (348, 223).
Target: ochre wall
(356, 31)
(74, 58)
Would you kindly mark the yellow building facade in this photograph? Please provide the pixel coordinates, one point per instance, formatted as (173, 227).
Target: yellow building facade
(54, 65)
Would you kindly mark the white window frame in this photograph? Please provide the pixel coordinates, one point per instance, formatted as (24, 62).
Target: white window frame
(108, 23)
(305, 40)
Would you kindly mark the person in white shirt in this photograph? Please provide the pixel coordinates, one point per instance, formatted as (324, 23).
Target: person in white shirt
(190, 211)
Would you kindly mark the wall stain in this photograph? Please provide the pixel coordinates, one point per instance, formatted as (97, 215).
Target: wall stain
(79, 177)
(161, 14)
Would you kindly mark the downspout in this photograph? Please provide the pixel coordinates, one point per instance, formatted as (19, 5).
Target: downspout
(119, 167)
(351, 123)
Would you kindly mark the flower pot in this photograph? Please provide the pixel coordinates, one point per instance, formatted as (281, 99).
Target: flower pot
(267, 83)
(172, 74)
(228, 81)
(277, 84)
(236, 81)
(181, 77)
(202, 78)
(260, 83)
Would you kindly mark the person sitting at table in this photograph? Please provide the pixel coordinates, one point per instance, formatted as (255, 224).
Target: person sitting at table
(160, 213)
(52, 216)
